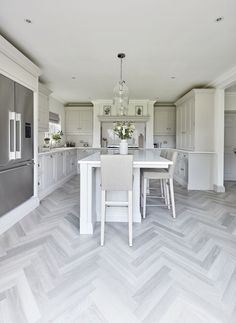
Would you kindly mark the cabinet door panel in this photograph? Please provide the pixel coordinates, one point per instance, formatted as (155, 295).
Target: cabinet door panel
(48, 171)
(60, 166)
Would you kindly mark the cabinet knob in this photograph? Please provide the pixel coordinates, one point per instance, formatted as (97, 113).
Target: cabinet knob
(38, 183)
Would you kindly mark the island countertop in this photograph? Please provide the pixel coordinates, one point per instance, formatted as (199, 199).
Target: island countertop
(141, 158)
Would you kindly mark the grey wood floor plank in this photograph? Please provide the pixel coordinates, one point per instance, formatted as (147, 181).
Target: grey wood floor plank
(181, 270)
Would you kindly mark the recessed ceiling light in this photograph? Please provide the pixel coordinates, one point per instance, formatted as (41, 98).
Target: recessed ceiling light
(219, 19)
(28, 21)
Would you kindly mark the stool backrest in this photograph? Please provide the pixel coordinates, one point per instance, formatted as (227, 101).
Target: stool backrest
(164, 153)
(117, 172)
(172, 155)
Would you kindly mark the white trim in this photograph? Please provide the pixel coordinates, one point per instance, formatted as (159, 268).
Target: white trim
(123, 118)
(52, 188)
(225, 80)
(14, 216)
(219, 188)
(44, 90)
(54, 96)
(191, 93)
(15, 55)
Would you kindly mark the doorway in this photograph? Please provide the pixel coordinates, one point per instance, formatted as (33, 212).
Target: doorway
(230, 135)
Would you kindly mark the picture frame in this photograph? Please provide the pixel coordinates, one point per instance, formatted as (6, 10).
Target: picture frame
(107, 110)
(138, 110)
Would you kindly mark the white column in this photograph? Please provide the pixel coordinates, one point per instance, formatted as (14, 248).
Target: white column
(86, 224)
(149, 125)
(219, 141)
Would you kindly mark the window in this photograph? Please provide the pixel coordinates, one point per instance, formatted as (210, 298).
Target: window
(54, 122)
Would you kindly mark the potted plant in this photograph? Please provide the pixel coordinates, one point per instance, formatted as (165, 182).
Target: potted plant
(56, 136)
(124, 130)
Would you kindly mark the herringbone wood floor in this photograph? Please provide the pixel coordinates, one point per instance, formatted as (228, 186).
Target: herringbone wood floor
(181, 270)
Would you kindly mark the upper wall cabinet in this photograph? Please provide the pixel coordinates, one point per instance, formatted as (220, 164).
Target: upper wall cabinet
(195, 120)
(79, 120)
(164, 120)
(43, 111)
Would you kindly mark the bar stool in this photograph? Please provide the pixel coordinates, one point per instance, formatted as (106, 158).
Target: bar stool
(166, 178)
(117, 175)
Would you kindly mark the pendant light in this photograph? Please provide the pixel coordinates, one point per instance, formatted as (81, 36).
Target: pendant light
(121, 92)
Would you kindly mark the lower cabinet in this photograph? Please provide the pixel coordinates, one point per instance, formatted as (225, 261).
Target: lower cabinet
(194, 170)
(181, 169)
(54, 169)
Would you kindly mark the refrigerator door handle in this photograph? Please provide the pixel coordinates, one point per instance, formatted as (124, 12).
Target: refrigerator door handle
(18, 135)
(12, 137)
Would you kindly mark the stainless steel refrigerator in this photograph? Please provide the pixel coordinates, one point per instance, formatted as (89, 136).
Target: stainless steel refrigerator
(16, 144)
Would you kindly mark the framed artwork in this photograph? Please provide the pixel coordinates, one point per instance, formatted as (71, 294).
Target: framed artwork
(107, 110)
(138, 110)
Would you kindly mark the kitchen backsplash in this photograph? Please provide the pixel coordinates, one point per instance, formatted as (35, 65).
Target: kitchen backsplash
(80, 140)
(165, 141)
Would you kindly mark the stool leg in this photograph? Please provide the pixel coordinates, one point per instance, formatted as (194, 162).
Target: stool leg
(103, 210)
(144, 197)
(165, 191)
(172, 198)
(162, 191)
(167, 194)
(130, 215)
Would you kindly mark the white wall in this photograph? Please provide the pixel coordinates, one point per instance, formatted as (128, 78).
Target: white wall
(56, 107)
(230, 101)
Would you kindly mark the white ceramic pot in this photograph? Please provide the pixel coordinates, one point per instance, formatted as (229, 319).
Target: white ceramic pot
(123, 147)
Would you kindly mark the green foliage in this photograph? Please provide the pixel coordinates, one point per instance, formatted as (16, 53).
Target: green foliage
(124, 129)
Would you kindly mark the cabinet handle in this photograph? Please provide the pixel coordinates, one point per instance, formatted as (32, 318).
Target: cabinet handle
(38, 184)
(181, 168)
(51, 156)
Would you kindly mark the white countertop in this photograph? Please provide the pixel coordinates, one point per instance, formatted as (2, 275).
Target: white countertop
(149, 158)
(60, 149)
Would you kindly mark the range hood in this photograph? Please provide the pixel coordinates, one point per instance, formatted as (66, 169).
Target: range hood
(123, 118)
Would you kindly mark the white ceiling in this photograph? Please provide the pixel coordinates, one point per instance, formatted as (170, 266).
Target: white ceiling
(161, 38)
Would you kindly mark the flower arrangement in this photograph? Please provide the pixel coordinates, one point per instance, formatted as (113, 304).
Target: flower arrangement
(124, 129)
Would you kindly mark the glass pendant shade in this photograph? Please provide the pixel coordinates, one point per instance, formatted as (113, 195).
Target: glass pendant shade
(121, 93)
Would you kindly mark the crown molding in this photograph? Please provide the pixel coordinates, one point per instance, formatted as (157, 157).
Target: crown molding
(15, 55)
(124, 118)
(43, 89)
(225, 80)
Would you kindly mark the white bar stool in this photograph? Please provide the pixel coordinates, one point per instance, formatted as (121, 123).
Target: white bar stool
(117, 175)
(166, 178)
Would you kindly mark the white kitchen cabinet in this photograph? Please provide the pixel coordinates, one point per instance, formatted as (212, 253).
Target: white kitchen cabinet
(194, 170)
(79, 120)
(54, 169)
(181, 169)
(43, 108)
(71, 162)
(60, 163)
(49, 171)
(195, 121)
(164, 120)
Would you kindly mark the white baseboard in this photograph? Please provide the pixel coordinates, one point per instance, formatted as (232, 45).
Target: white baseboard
(219, 188)
(48, 191)
(9, 219)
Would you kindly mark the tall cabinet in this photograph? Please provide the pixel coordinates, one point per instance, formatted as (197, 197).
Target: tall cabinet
(43, 108)
(195, 139)
(195, 120)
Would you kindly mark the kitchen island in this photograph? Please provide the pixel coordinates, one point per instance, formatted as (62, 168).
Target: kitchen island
(90, 189)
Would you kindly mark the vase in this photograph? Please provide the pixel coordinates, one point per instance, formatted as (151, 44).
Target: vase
(123, 147)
